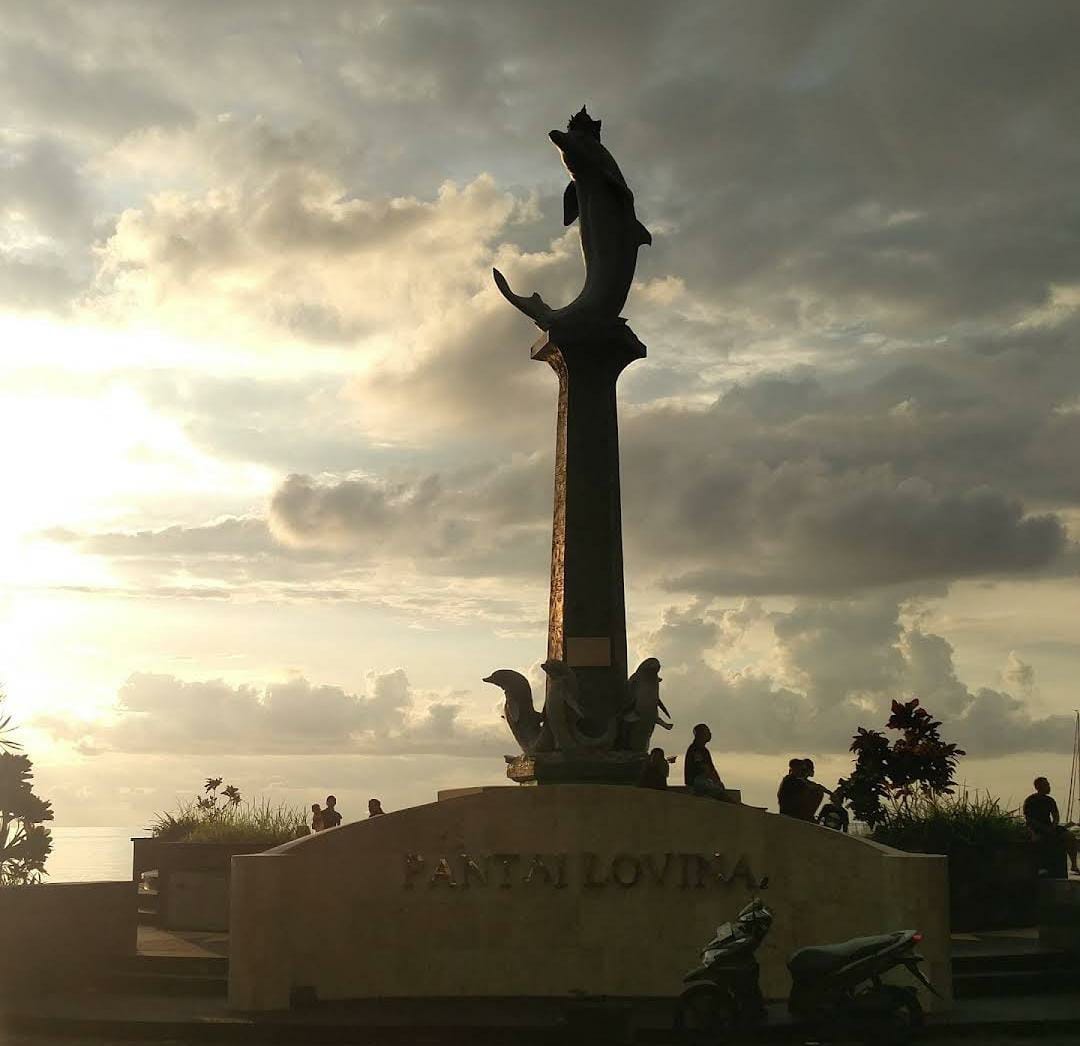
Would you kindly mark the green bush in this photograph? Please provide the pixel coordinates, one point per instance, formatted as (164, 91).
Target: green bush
(205, 820)
(946, 824)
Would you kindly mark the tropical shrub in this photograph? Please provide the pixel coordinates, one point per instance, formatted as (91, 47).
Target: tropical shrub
(889, 777)
(227, 818)
(25, 842)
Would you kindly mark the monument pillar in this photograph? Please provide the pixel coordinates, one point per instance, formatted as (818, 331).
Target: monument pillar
(587, 611)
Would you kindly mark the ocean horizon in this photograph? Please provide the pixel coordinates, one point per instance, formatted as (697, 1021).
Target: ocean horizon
(90, 854)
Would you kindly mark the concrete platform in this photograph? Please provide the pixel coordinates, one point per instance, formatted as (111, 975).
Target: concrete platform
(158, 1013)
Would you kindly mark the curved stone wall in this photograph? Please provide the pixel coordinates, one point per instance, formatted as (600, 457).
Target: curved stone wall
(554, 890)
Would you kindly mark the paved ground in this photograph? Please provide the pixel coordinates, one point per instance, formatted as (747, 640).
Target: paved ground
(190, 944)
(986, 1013)
(21, 1040)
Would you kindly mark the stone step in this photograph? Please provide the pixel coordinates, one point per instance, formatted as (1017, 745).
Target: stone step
(999, 983)
(1004, 962)
(162, 983)
(191, 965)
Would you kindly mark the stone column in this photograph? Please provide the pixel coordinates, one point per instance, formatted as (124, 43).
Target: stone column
(587, 613)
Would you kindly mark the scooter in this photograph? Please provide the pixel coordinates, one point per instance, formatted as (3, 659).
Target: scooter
(836, 989)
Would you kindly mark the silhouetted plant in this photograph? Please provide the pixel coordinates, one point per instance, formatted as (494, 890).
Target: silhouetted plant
(887, 777)
(25, 842)
(206, 819)
(947, 824)
(208, 802)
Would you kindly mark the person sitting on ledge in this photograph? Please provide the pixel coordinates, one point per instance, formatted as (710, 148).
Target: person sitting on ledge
(331, 818)
(699, 773)
(374, 808)
(813, 792)
(316, 818)
(655, 772)
(1044, 821)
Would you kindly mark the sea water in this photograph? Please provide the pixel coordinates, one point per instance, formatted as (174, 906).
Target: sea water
(82, 855)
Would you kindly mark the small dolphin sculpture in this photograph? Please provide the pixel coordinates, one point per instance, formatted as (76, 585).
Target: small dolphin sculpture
(523, 719)
(610, 232)
(644, 706)
(565, 716)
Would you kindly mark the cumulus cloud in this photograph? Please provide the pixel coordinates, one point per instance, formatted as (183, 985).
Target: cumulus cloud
(834, 666)
(161, 713)
(294, 251)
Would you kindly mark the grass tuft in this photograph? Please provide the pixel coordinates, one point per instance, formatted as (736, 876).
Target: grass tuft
(944, 824)
(251, 822)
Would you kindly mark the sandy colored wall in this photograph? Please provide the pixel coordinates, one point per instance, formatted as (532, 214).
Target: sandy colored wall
(368, 910)
(59, 933)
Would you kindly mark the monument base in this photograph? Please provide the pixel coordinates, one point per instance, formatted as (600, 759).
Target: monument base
(621, 768)
(581, 890)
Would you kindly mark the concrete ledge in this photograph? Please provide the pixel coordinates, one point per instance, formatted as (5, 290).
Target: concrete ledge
(193, 880)
(60, 933)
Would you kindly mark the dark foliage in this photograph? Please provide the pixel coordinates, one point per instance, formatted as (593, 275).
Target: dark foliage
(918, 763)
(25, 842)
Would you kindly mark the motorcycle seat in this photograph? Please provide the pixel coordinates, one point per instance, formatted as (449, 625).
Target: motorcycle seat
(818, 960)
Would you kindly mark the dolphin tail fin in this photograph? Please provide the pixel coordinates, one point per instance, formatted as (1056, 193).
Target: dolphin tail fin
(533, 306)
(644, 236)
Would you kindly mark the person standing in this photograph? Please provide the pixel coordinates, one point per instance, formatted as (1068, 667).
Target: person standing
(1042, 817)
(374, 808)
(331, 818)
(699, 772)
(316, 818)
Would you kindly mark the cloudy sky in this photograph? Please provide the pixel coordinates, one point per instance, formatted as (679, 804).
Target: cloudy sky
(278, 466)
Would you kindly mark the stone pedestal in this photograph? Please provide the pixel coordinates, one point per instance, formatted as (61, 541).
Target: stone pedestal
(587, 613)
(623, 768)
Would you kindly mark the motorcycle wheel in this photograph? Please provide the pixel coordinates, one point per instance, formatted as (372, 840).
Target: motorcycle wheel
(905, 1019)
(707, 1014)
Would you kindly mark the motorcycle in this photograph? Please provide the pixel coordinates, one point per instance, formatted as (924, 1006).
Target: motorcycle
(836, 989)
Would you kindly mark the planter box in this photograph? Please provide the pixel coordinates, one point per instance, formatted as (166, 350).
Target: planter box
(993, 889)
(58, 934)
(193, 880)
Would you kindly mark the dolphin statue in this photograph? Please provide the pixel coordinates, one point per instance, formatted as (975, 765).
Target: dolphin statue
(611, 234)
(564, 715)
(523, 719)
(644, 706)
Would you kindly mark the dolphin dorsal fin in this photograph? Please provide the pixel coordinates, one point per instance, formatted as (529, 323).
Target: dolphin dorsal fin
(570, 205)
